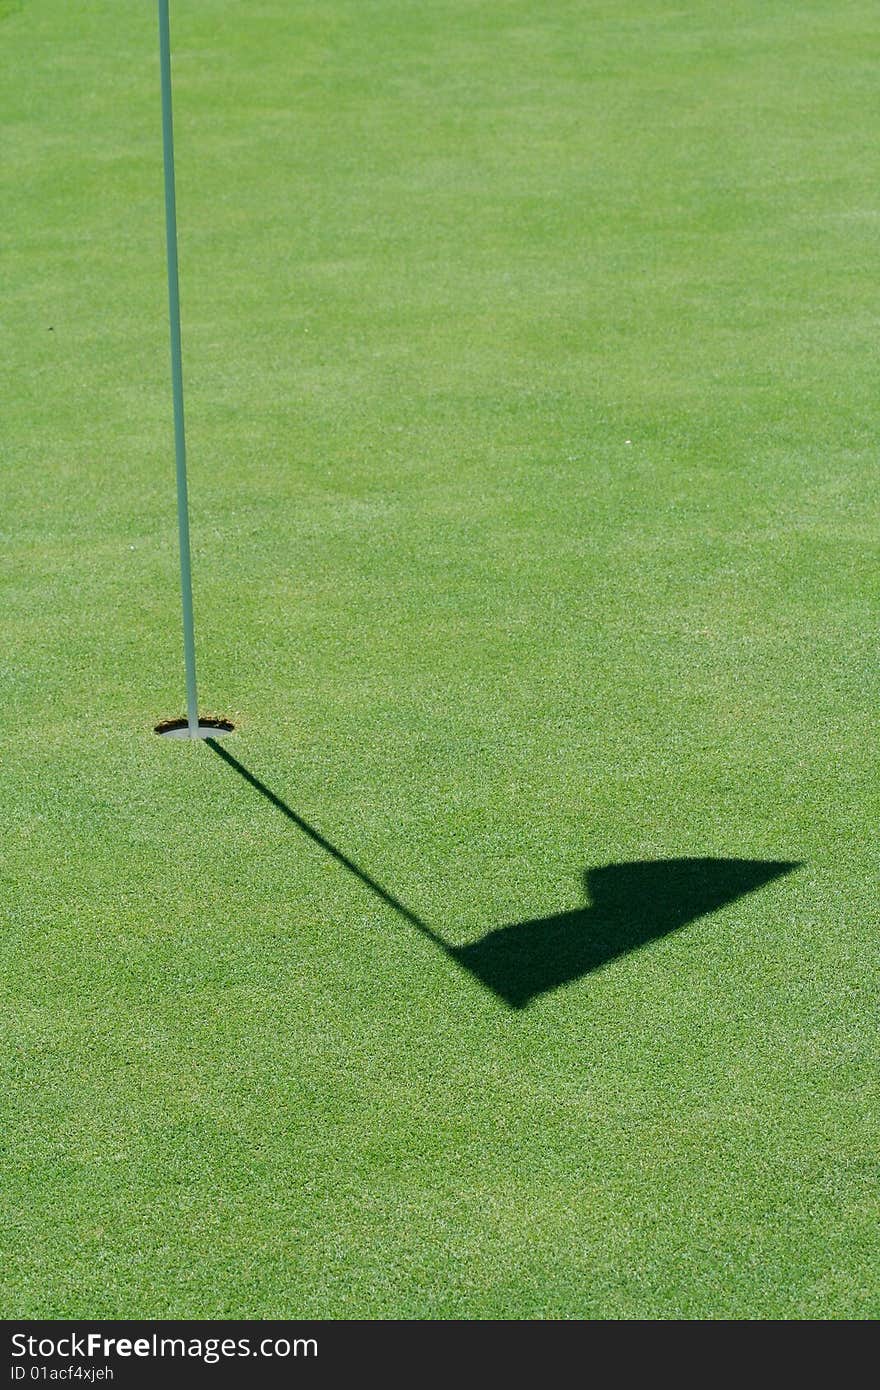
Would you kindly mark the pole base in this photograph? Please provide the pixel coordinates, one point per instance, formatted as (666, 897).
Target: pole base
(207, 728)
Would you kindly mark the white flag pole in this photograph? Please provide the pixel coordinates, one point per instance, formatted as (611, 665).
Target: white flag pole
(189, 646)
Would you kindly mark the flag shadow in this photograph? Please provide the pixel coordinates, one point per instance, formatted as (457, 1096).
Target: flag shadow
(629, 905)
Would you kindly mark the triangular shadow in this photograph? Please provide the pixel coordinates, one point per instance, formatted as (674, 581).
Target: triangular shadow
(629, 905)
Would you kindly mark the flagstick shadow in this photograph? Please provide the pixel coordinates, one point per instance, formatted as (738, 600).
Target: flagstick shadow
(629, 905)
(319, 839)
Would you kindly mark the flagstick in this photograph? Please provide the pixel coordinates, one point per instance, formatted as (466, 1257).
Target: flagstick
(189, 646)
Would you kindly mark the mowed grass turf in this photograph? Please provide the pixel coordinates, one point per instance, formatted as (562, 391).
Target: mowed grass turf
(531, 371)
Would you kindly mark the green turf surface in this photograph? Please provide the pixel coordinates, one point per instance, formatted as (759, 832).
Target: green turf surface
(531, 371)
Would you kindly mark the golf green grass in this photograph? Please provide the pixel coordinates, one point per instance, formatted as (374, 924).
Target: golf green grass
(531, 372)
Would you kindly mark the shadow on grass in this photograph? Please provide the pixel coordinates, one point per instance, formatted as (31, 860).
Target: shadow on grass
(628, 906)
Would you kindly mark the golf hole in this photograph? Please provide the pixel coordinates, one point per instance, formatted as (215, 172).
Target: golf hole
(207, 728)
